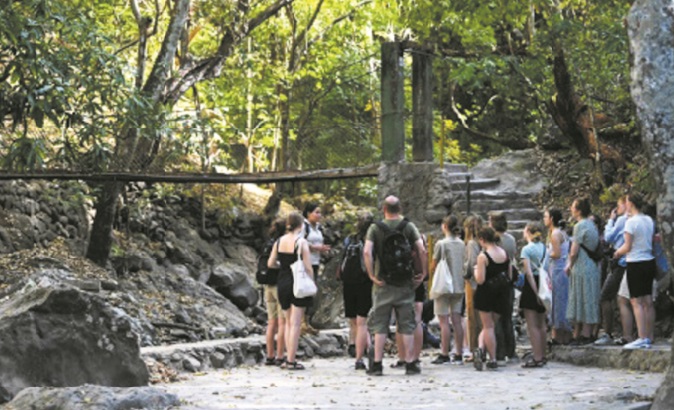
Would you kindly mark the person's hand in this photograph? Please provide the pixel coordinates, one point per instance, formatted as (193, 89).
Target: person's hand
(377, 281)
(417, 279)
(614, 213)
(567, 270)
(324, 248)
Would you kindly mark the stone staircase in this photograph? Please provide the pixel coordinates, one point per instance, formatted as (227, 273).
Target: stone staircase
(490, 194)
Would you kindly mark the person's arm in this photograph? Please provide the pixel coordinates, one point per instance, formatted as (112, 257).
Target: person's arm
(421, 253)
(556, 242)
(627, 246)
(306, 257)
(368, 256)
(481, 268)
(272, 262)
(529, 275)
(573, 255)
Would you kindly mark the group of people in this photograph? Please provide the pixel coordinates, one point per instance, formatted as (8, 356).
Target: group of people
(383, 267)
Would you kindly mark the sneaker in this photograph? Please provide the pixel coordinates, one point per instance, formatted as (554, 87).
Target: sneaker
(351, 350)
(441, 359)
(455, 359)
(412, 368)
(467, 355)
(360, 365)
(604, 340)
(377, 369)
(644, 343)
(492, 365)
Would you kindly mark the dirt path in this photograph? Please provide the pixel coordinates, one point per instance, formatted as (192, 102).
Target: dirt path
(333, 384)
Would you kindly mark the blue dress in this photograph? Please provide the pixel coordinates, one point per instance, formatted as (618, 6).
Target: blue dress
(560, 286)
(584, 287)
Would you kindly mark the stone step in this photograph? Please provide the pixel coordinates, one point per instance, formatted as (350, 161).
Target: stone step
(655, 359)
(481, 205)
(460, 168)
(495, 194)
(475, 184)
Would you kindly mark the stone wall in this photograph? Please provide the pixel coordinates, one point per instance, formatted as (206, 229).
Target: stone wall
(424, 190)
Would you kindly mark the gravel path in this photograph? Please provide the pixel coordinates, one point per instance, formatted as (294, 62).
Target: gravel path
(333, 384)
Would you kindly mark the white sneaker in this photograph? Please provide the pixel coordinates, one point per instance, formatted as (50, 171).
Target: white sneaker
(604, 340)
(644, 343)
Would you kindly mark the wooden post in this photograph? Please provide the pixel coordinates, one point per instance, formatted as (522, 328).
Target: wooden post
(422, 107)
(392, 103)
(430, 243)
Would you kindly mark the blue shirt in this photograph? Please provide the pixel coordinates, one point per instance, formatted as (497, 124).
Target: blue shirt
(535, 253)
(614, 235)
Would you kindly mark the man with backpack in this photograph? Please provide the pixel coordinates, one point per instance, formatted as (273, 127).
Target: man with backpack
(388, 255)
(356, 289)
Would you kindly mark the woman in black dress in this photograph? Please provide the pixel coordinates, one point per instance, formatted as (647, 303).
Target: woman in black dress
(490, 299)
(293, 308)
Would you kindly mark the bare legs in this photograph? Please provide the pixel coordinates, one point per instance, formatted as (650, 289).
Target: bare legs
(362, 336)
(293, 324)
(537, 333)
(644, 315)
(444, 334)
(488, 335)
(626, 318)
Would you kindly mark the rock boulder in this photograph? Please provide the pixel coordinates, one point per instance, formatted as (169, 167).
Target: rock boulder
(59, 336)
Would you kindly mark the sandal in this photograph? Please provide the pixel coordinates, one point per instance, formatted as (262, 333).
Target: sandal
(533, 363)
(270, 361)
(294, 366)
(279, 361)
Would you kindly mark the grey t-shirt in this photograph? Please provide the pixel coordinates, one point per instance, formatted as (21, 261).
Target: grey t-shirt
(509, 244)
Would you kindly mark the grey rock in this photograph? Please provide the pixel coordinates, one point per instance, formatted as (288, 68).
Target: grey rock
(89, 397)
(60, 336)
(191, 364)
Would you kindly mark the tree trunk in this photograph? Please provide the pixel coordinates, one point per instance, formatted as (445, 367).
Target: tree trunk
(100, 241)
(650, 25)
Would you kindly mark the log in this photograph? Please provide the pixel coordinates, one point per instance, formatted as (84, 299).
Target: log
(203, 178)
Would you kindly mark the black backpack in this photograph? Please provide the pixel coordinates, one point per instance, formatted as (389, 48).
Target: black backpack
(352, 267)
(265, 275)
(395, 255)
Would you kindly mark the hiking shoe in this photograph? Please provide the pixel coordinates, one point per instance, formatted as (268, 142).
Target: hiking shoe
(455, 359)
(377, 369)
(492, 365)
(352, 350)
(412, 368)
(640, 343)
(360, 365)
(604, 340)
(467, 355)
(441, 359)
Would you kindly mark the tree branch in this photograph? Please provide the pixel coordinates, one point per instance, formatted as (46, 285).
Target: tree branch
(160, 70)
(211, 67)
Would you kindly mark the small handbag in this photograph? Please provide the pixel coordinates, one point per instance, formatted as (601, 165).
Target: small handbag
(442, 279)
(544, 288)
(303, 285)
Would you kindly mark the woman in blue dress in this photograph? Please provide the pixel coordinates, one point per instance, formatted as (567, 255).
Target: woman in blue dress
(558, 252)
(584, 274)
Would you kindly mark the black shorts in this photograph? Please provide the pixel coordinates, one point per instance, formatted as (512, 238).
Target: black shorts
(420, 293)
(529, 300)
(640, 277)
(357, 299)
(611, 286)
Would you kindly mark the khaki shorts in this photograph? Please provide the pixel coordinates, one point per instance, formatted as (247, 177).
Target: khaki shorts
(386, 299)
(446, 304)
(271, 299)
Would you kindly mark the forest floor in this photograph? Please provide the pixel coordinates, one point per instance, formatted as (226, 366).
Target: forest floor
(334, 384)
